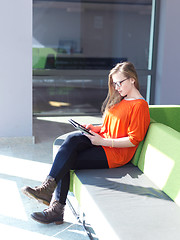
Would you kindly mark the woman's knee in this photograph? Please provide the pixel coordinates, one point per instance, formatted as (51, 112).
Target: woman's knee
(75, 138)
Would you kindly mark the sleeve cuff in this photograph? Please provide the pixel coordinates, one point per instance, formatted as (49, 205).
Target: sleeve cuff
(133, 141)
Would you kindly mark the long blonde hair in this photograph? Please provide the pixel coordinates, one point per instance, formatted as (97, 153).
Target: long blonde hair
(113, 97)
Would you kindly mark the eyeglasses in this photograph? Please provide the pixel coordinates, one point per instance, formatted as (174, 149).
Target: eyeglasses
(119, 84)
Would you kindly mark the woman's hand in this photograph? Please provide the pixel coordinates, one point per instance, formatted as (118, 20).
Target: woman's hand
(95, 129)
(96, 139)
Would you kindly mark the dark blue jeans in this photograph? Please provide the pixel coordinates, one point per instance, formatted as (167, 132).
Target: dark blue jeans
(77, 152)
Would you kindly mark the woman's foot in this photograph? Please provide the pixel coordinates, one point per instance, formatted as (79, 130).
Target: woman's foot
(53, 214)
(42, 193)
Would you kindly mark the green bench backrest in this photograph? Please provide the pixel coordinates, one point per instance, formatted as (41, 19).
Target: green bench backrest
(166, 114)
(160, 159)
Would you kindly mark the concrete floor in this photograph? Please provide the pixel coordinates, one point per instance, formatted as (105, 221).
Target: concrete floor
(24, 163)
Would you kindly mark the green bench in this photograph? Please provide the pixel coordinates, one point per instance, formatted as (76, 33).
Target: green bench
(140, 200)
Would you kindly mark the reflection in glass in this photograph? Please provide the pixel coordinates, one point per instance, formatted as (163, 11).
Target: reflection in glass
(76, 43)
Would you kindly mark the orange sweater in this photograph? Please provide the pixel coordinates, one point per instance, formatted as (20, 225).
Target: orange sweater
(129, 118)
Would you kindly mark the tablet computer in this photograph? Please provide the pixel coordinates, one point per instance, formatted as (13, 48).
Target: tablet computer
(80, 127)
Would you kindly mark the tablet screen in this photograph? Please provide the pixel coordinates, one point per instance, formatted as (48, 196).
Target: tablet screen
(79, 127)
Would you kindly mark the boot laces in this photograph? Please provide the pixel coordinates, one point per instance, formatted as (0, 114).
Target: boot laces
(54, 207)
(44, 185)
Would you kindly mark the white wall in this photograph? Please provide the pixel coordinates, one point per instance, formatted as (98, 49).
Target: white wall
(16, 68)
(167, 90)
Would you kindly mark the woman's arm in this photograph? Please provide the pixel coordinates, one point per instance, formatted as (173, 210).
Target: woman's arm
(123, 142)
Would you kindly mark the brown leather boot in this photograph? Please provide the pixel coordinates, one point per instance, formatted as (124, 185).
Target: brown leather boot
(53, 214)
(42, 193)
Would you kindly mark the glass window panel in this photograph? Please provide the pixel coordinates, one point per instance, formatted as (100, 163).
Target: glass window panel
(76, 43)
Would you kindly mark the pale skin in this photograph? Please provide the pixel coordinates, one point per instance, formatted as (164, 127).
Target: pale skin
(129, 90)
